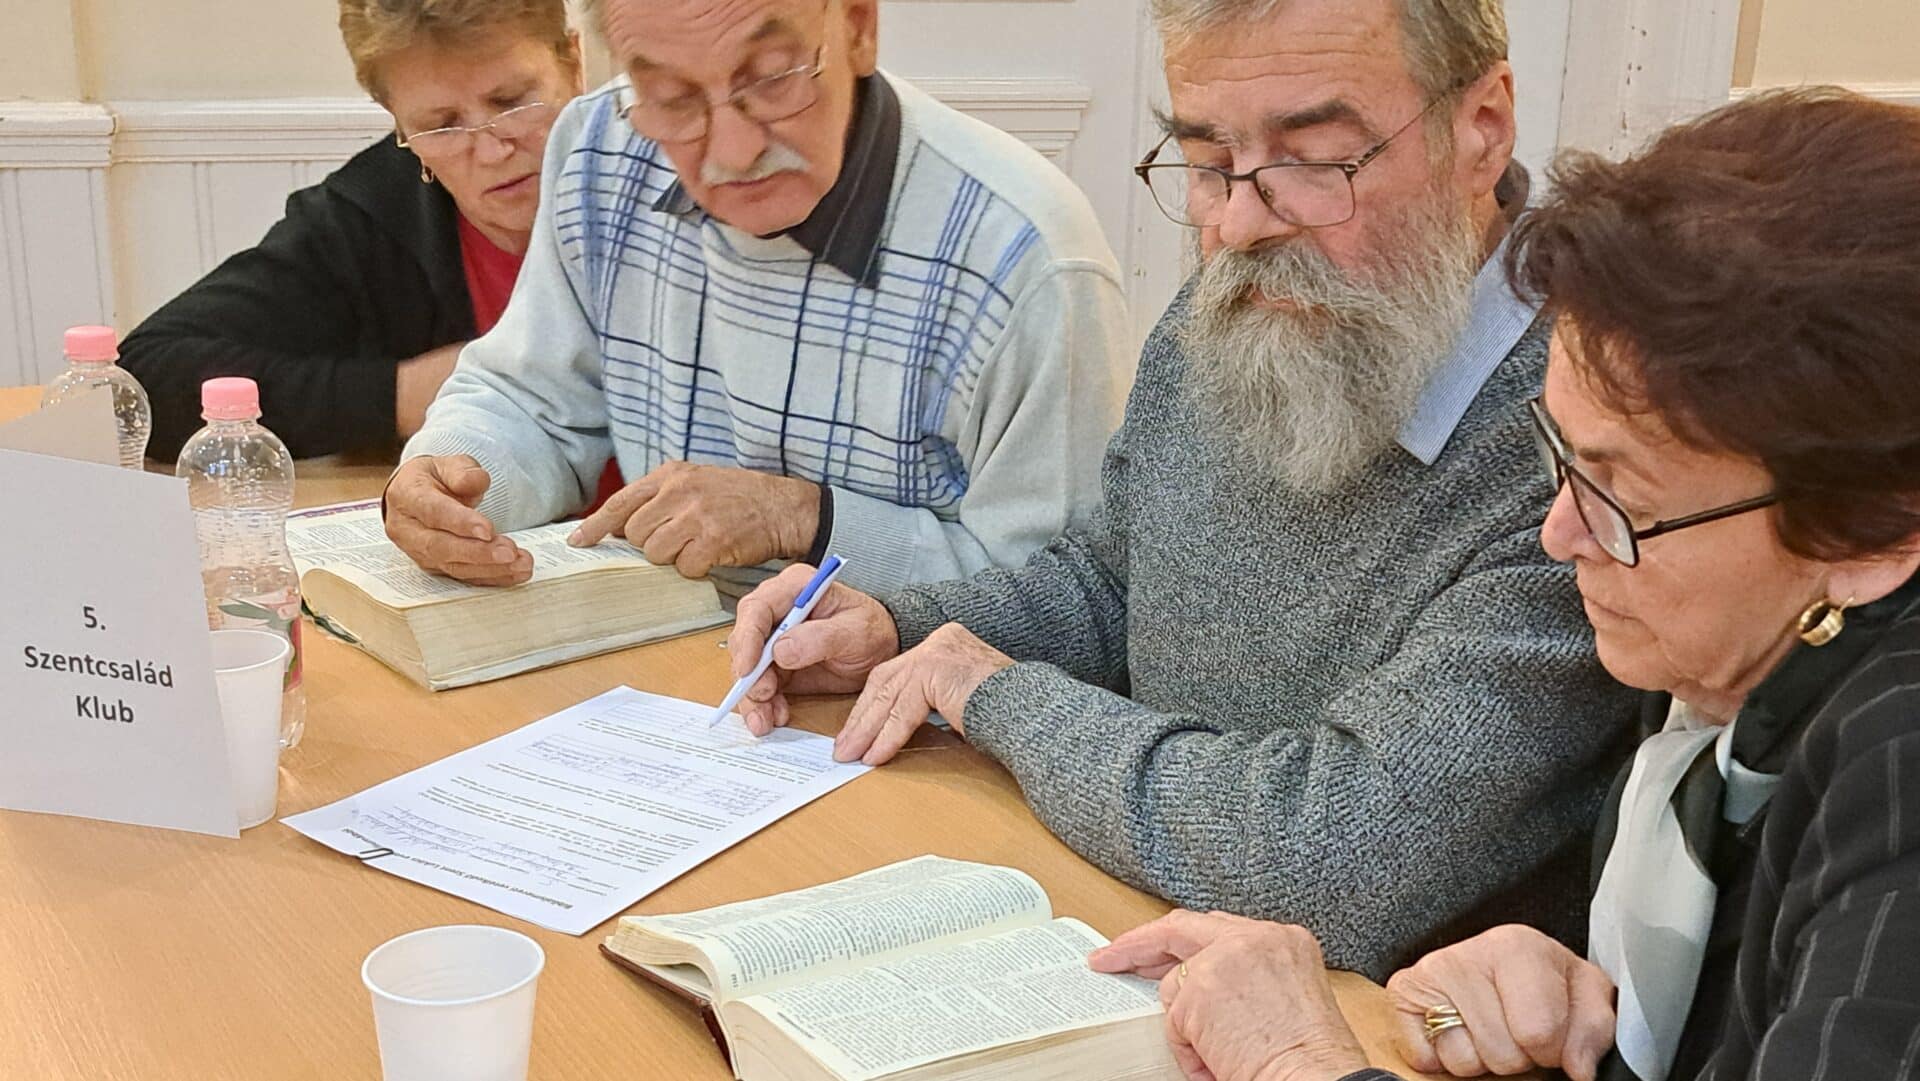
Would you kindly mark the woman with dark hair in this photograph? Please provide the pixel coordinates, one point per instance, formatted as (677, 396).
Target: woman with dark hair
(1732, 417)
(352, 310)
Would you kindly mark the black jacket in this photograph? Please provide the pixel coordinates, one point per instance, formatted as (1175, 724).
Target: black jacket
(1812, 969)
(362, 273)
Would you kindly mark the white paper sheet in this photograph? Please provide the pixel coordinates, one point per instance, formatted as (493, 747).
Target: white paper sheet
(107, 701)
(571, 819)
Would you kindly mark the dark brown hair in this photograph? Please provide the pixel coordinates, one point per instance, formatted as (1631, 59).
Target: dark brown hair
(1752, 280)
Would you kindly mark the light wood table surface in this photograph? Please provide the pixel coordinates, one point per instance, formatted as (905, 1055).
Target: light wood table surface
(149, 954)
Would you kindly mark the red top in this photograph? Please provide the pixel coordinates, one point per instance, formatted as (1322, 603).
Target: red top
(491, 272)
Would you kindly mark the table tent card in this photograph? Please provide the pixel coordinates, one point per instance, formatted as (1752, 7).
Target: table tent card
(107, 701)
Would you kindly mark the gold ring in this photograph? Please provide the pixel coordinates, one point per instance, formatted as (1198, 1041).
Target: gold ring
(1442, 1019)
(1183, 975)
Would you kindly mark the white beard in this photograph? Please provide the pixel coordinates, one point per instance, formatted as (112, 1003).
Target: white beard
(1316, 393)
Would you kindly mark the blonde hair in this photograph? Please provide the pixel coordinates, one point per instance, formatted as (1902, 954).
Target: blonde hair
(376, 29)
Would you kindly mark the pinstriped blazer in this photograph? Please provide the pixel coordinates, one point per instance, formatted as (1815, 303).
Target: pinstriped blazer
(1813, 964)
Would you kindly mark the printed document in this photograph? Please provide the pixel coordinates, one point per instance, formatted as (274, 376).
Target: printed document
(569, 820)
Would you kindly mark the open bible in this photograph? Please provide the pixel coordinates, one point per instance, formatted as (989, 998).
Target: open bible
(441, 633)
(927, 969)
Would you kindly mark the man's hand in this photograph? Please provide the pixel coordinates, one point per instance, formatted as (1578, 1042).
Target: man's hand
(1246, 1000)
(698, 517)
(415, 383)
(939, 674)
(831, 653)
(1527, 1002)
(430, 517)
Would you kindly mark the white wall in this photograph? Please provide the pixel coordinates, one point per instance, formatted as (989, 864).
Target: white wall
(222, 108)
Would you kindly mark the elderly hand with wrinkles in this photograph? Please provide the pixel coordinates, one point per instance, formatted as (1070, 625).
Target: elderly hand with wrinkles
(1246, 1000)
(698, 517)
(850, 643)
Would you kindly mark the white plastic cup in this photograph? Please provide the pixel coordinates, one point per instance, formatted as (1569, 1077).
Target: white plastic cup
(249, 668)
(454, 1003)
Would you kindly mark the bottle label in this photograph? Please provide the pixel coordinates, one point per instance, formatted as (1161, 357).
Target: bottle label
(277, 612)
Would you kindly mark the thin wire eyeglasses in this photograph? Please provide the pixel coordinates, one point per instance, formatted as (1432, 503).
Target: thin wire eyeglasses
(1308, 194)
(1600, 512)
(507, 126)
(780, 96)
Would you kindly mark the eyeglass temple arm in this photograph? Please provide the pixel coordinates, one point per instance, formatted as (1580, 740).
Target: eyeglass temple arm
(1658, 529)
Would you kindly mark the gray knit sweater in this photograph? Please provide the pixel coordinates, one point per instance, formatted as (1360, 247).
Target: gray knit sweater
(1367, 713)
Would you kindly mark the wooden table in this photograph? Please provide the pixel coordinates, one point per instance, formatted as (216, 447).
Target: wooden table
(149, 954)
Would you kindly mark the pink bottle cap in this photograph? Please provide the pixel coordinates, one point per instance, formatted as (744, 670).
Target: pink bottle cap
(230, 398)
(92, 345)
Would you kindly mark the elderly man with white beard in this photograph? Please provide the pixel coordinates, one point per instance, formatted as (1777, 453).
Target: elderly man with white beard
(1309, 663)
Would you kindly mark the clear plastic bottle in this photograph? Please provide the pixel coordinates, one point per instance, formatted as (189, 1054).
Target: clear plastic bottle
(91, 352)
(240, 481)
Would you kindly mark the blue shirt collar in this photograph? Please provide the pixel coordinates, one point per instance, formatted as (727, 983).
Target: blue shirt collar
(1496, 323)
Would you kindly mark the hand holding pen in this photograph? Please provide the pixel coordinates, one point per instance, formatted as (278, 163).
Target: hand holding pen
(847, 634)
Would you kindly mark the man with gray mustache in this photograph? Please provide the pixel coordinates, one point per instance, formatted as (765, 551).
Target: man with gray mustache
(1309, 663)
(805, 306)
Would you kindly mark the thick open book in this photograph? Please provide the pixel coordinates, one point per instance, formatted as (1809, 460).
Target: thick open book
(928, 969)
(441, 633)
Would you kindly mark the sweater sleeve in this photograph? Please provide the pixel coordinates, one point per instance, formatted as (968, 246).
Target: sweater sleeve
(1415, 790)
(1065, 607)
(281, 313)
(1853, 1005)
(526, 400)
(1035, 424)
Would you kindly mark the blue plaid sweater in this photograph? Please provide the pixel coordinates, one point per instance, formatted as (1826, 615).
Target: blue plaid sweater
(956, 400)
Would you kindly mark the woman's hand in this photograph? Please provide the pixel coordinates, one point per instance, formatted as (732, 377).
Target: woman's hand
(1527, 1001)
(1246, 1000)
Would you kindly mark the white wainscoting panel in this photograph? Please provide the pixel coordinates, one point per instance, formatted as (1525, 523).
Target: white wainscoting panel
(55, 263)
(192, 182)
(195, 181)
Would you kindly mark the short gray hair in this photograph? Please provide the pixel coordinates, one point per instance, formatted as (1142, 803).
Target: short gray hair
(1449, 43)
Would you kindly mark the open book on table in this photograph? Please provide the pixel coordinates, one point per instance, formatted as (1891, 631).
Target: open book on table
(927, 969)
(441, 633)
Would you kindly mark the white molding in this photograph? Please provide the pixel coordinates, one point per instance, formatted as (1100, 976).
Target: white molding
(1907, 94)
(1636, 66)
(198, 132)
(54, 135)
(1046, 114)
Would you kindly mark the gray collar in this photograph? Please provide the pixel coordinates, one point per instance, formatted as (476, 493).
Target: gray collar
(847, 228)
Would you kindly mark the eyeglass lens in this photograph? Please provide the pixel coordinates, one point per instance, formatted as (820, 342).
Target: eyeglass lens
(1310, 196)
(687, 117)
(518, 123)
(1604, 521)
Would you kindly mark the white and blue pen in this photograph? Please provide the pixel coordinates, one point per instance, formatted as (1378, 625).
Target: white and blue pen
(802, 608)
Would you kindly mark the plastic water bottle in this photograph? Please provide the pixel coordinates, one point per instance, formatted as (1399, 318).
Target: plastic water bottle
(240, 481)
(91, 352)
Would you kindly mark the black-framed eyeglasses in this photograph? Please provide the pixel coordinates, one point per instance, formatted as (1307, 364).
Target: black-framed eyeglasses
(518, 122)
(1309, 194)
(687, 117)
(1599, 512)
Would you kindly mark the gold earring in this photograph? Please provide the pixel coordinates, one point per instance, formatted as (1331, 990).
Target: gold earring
(426, 175)
(1823, 621)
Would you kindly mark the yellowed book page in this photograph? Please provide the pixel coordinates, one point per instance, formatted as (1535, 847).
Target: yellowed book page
(350, 540)
(893, 910)
(1020, 985)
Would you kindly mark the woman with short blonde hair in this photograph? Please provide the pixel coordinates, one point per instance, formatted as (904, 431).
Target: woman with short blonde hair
(352, 310)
